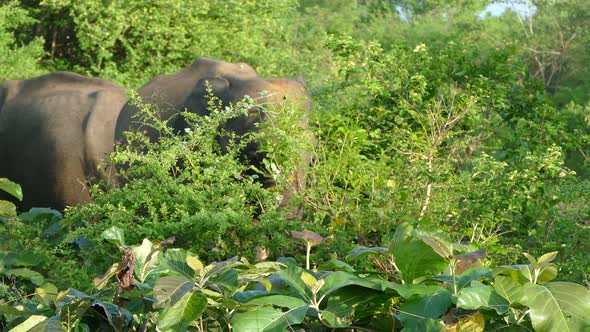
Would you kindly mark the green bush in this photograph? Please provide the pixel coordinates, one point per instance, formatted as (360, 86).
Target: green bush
(17, 60)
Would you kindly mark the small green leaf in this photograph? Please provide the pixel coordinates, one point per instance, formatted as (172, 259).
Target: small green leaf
(7, 209)
(114, 234)
(101, 281)
(12, 188)
(46, 293)
(194, 263)
(531, 259)
(548, 257)
(189, 308)
(308, 279)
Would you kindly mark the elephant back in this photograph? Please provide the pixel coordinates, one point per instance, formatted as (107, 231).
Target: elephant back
(54, 131)
(168, 92)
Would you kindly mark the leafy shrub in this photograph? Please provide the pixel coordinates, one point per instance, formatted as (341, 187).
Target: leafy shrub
(185, 186)
(434, 285)
(447, 138)
(17, 61)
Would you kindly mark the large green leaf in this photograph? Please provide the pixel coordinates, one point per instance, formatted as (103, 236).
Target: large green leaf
(558, 306)
(408, 290)
(35, 277)
(18, 310)
(53, 324)
(278, 300)
(268, 319)
(509, 289)
(169, 290)
(342, 306)
(29, 324)
(418, 310)
(226, 278)
(416, 259)
(441, 247)
(335, 281)
(425, 325)
(13, 259)
(40, 215)
(292, 276)
(114, 314)
(12, 188)
(176, 260)
(479, 296)
(362, 252)
(466, 277)
(189, 308)
(147, 264)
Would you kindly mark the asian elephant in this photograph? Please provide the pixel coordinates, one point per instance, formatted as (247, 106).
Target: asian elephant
(230, 82)
(54, 131)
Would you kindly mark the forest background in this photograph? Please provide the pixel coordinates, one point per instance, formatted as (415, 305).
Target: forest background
(433, 113)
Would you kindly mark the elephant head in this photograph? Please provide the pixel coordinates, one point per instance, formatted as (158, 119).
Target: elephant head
(55, 131)
(230, 82)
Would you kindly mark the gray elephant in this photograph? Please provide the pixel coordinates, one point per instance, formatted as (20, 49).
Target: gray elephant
(54, 132)
(230, 82)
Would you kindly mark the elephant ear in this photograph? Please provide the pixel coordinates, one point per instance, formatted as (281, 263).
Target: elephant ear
(198, 100)
(99, 126)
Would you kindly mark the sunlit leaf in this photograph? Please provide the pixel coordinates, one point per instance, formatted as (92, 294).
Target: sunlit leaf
(46, 293)
(194, 263)
(415, 259)
(101, 281)
(29, 324)
(509, 289)
(558, 306)
(7, 209)
(12, 188)
(114, 234)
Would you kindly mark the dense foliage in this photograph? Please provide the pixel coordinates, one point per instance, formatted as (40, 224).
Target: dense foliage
(442, 132)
